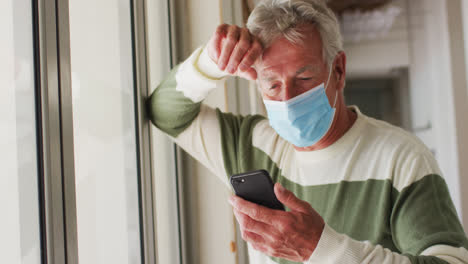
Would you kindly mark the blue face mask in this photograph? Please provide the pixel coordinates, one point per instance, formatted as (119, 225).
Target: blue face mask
(304, 119)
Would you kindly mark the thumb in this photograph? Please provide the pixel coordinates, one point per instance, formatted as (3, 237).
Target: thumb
(290, 200)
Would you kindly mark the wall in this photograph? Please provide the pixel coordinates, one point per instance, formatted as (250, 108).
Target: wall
(464, 177)
(209, 222)
(465, 30)
(380, 56)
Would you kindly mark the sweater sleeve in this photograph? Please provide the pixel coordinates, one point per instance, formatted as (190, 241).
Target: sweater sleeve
(176, 108)
(176, 102)
(424, 225)
(337, 248)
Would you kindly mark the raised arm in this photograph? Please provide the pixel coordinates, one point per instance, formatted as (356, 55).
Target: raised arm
(176, 106)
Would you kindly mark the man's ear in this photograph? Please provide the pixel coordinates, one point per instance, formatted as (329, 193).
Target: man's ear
(340, 69)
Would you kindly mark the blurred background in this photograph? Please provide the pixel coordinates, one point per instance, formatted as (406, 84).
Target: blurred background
(86, 179)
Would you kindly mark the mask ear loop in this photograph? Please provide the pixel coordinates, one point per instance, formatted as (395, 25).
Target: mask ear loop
(336, 97)
(329, 76)
(328, 81)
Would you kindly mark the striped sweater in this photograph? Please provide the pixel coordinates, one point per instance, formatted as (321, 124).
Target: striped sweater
(378, 188)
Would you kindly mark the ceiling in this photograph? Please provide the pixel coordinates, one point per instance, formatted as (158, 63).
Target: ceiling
(339, 6)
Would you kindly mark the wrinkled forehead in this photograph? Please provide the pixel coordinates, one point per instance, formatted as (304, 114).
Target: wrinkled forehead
(282, 52)
(284, 57)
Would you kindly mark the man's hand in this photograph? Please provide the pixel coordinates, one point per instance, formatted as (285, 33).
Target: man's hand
(290, 235)
(235, 50)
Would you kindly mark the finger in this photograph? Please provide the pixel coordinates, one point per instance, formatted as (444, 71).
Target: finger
(218, 36)
(260, 248)
(255, 211)
(251, 56)
(227, 45)
(251, 237)
(241, 48)
(254, 226)
(250, 74)
(290, 200)
(272, 252)
(277, 253)
(285, 254)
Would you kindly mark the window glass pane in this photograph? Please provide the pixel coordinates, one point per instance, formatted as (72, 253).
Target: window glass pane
(104, 132)
(19, 221)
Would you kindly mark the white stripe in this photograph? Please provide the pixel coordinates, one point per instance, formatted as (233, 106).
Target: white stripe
(279, 150)
(379, 151)
(192, 83)
(450, 254)
(202, 141)
(336, 248)
(207, 66)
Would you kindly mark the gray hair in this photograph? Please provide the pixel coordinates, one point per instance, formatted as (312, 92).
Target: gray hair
(278, 18)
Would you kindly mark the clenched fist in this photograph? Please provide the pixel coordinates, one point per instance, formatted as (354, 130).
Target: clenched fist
(235, 50)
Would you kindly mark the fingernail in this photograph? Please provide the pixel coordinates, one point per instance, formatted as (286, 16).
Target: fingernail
(242, 67)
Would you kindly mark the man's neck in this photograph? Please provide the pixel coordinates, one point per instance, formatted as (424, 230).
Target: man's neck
(344, 120)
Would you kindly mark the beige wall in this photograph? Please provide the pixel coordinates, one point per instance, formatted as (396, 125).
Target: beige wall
(209, 222)
(465, 30)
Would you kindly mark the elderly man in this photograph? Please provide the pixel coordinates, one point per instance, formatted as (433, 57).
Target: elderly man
(358, 190)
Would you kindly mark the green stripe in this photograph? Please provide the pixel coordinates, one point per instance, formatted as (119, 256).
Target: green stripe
(169, 109)
(360, 210)
(424, 215)
(236, 142)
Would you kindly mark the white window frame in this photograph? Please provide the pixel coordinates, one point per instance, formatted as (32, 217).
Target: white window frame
(57, 190)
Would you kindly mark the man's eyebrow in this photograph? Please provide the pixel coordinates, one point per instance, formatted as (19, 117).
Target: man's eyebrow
(301, 70)
(305, 68)
(268, 79)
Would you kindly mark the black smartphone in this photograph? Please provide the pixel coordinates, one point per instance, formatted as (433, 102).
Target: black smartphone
(256, 187)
